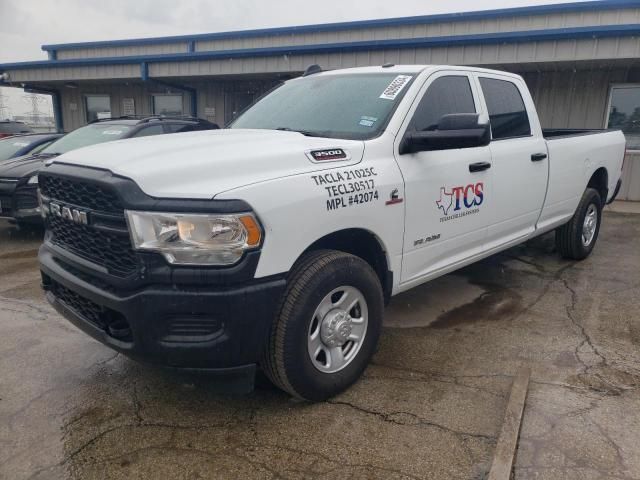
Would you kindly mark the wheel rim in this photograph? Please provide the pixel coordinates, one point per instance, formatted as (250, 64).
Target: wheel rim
(590, 225)
(337, 329)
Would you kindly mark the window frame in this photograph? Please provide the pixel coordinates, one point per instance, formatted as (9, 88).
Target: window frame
(605, 122)
(153, 103)
(86, 105)
(479, 76)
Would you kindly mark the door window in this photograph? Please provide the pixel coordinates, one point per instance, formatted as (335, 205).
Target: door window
(446, 95)
(624, 113)
(98, 107)
(170, 105)
(180, 127)
(507, 113)
(148, 131)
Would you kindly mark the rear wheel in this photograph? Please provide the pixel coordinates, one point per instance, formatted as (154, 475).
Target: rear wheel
(577, 238)
(327, 327)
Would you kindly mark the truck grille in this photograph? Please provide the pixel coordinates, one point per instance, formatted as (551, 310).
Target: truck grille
(26, 199)
(5, 205)
(109, 248)
(81, 194)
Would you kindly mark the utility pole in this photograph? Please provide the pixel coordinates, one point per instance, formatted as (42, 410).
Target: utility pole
(5, 111)
(35, 101)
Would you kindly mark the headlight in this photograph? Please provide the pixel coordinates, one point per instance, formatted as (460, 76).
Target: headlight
(193, 239)
(33, 180)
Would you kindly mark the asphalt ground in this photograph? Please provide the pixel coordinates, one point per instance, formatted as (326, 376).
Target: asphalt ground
(430, 405)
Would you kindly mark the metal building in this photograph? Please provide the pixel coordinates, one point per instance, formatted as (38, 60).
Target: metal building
(580, 60)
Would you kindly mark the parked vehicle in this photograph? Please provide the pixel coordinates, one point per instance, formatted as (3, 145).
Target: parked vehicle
(11, 127)
(19, 176)
(278, 242)
(25, 144)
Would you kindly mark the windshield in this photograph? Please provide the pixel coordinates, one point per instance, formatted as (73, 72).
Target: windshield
(10, 146)
(349, 106)
(85, 136)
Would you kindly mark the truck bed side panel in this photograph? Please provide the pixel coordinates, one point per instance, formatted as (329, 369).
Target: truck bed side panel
(572, 162)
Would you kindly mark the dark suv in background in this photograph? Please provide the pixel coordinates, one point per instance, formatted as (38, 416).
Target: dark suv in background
(19, 176)
(24, 144)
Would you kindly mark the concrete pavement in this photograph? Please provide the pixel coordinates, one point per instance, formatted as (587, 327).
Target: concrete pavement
(430, 406)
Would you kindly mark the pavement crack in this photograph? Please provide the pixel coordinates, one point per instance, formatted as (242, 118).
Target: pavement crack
(586, 339)
(400, 418)
(137, 406)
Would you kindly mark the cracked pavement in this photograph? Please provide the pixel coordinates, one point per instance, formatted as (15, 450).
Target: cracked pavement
(429, 406)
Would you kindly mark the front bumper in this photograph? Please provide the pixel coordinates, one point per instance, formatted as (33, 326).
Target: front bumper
(20, 202)
(221, 329)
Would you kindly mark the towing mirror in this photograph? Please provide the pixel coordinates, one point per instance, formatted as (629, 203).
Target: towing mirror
(457, 130)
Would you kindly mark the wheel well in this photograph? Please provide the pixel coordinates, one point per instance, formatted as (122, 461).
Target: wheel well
(600, 181)
(363, 244)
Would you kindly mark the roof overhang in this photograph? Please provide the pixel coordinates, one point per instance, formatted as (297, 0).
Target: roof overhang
(590, 32)
(584, 6)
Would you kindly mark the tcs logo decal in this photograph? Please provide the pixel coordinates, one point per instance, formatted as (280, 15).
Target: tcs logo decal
(468, 196)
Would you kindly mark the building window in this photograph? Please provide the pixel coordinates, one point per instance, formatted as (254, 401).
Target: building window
(624, 113)
(507, 113)
(98, 106)
(169, 104)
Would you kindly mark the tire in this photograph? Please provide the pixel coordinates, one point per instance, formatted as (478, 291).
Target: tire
(309, 315)
(570, 239)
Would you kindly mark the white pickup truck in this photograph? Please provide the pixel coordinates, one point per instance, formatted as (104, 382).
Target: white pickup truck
(277, 242)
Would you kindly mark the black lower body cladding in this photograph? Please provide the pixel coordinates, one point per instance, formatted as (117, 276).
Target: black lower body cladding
(222, 328)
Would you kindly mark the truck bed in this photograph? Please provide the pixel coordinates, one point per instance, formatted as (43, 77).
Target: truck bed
(554, 133)
(574, 155)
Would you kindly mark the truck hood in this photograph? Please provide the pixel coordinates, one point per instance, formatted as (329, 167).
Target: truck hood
(204, 164)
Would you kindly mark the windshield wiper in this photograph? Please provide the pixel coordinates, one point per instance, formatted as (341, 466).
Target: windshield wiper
(306, 133)
(45, 155)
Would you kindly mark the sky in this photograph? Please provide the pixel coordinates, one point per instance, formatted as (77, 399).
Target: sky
(26, 25)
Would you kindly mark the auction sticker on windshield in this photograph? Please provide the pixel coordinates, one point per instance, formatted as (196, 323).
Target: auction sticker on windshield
(395, 87)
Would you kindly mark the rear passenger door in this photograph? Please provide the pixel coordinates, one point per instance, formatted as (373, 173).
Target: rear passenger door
(518, 157)
(446, 203)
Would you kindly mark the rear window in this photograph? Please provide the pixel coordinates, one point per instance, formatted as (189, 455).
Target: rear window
(14, 127)
(507, 112)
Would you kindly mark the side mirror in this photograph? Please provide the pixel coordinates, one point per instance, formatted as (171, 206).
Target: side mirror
(457, 130)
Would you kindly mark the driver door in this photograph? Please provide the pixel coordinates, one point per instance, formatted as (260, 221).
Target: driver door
(448, 200)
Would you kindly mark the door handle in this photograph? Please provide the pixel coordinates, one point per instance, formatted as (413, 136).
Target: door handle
(479, 166)
(536, 157)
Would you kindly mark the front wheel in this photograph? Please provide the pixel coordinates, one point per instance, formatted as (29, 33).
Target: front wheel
(576, 239)
(327, 327)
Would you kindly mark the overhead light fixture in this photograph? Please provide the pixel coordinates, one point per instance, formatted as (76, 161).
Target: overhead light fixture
(71, 85)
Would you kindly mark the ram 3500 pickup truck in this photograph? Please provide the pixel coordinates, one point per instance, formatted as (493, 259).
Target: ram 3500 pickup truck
(277, 242)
